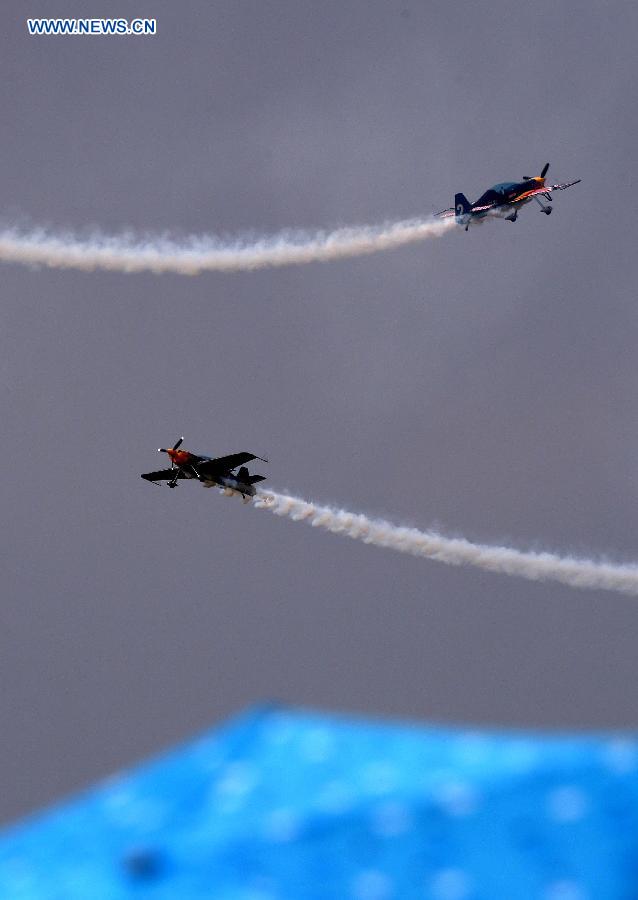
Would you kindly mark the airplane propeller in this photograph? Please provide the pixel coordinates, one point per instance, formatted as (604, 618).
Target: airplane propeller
(543, 173)
(175, 446)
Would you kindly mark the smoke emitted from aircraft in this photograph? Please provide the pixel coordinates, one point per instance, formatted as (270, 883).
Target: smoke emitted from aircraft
(575, 572)
(135, 253)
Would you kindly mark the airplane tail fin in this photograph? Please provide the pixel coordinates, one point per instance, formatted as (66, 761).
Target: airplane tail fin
(462, 210)
(462, 206)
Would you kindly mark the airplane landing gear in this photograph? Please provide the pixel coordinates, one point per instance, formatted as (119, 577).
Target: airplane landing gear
(512, 218)
(544, 208)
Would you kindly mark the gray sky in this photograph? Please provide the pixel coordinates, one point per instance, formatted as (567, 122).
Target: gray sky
(484, 383)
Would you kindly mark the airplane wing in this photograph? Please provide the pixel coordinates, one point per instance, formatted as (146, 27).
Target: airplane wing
(226, 463)
(561, 187)
(163, 475)
(544, 190)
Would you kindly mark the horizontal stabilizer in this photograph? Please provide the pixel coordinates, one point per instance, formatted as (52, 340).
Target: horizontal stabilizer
(245, 477)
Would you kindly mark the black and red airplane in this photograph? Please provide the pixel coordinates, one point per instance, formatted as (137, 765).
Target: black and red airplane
(209, 471)
(505, 200)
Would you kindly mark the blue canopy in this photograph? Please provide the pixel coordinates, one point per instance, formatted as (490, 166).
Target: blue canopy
(286, 804)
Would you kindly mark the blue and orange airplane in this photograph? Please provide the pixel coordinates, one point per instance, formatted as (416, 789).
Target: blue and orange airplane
(504, 200)
(209, 471)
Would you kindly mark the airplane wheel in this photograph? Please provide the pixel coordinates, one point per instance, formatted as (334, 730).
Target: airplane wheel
(548, 210)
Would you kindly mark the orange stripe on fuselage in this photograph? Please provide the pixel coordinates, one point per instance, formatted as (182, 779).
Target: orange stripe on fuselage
(538, 187)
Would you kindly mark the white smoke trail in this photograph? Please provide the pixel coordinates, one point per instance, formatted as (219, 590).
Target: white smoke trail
(579, 573)
(128, 253)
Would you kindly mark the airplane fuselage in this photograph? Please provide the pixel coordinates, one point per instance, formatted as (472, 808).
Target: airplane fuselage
(506, 196)
(232, 485)
(228, 482)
